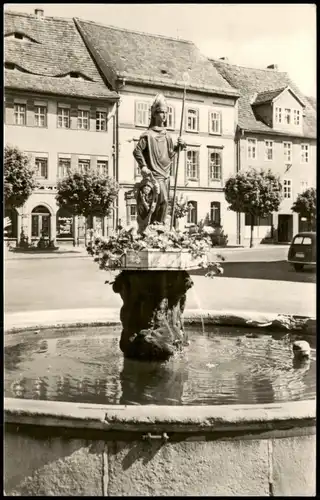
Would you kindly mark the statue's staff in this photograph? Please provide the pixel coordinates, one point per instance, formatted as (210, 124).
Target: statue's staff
(185, 79)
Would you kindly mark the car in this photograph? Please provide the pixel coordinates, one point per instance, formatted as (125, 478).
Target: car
(303, 250)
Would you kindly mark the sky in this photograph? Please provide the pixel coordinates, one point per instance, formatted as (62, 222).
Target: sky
(253, 35)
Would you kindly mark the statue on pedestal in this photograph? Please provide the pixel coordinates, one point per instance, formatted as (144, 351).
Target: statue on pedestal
(154, 154)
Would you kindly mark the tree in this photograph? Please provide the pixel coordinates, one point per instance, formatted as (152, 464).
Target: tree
(182, 207)
(87, 193)
(254, 192)
(19, 177)
(306, 206)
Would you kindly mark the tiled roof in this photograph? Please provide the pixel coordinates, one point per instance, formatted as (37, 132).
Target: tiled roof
(252, 81)
(143, 57)
(267, 96)
(313, 102)
(59, 86)
(58, 49)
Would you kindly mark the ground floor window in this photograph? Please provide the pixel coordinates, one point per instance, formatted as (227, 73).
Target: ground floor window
(64, 224)
(131, 214)
(40, 222)
(193, 212)
(215, 212)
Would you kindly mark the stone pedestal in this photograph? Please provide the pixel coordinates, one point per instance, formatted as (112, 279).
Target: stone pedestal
(151, 315)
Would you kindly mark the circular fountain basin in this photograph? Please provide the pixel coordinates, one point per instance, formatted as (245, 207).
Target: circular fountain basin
(232, 414)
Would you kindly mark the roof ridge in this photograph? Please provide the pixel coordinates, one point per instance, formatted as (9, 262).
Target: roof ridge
(134, 31)
(247, 67)
(44, 18)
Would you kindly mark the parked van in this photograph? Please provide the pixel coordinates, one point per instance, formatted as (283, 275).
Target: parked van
(303, 250)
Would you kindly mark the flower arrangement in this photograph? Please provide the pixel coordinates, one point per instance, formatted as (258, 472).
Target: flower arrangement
(109, 251)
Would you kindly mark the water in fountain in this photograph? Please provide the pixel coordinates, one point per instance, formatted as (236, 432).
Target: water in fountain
(222, 366)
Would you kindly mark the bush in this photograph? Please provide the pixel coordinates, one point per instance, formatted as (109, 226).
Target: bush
(218, 238)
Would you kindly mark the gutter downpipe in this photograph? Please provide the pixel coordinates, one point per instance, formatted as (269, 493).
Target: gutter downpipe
(116, 121)
(238, 167)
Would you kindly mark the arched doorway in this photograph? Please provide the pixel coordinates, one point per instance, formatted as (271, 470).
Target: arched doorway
(11, 231)
(65, 228)
(40, 222)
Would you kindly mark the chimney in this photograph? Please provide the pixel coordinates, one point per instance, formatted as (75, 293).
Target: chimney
(223, 59)
(273, 66)
(39, 13)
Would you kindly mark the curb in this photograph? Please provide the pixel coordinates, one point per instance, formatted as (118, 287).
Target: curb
(24, 321)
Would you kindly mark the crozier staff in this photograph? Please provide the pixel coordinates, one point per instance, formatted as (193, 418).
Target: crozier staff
(154, 153)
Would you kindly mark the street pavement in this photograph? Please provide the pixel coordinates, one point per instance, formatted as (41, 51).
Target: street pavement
(257, 279)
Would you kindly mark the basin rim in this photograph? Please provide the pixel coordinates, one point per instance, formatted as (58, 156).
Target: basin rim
(59, 318)
(279, 416)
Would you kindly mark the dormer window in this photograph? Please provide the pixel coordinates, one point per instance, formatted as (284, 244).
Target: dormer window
(20, 36)
(74, 75)
(10, 66)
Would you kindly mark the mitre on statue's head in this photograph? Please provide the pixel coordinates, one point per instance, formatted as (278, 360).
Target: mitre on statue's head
(159, 104)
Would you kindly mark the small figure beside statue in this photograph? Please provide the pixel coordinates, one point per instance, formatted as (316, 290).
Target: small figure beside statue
(154, 154)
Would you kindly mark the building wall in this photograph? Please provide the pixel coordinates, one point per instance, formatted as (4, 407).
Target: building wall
(300, 174)
(203, 191)
(51, 142)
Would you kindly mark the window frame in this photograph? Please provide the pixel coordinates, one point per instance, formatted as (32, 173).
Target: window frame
(268, 148)
(106, 173)
(194, 210)
(38, 115)
(62, 159)
(287, 188)
(255, 148)
(217, 205)
(39, 159)
(187, 129)
(287, 114)
(211, 120)
(296, 114)
(100, 120)
(218, 151)
(19, 114)
(173, 115)
(84, 161)
(82, 119)
(196, 150)
(137, 111)
(306, 153)
(278, 115)
(286, 159)
(63, 109)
